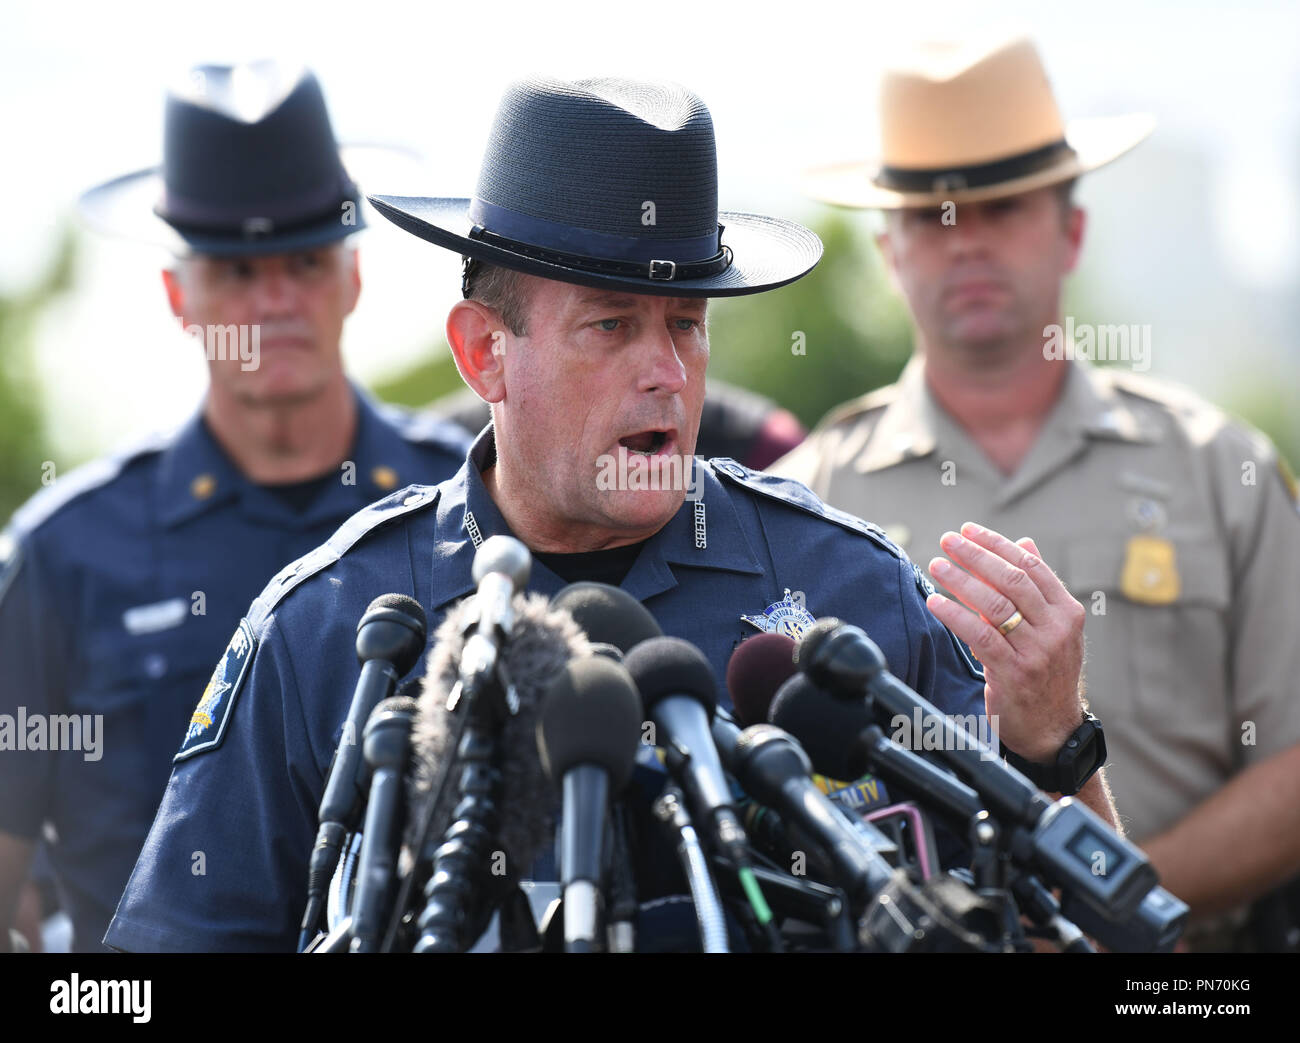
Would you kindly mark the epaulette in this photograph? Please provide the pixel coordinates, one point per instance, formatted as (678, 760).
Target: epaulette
(426, 428)
(47, 502)
(796, 494)
(396, 505)
(1165, 393)
(878, 399)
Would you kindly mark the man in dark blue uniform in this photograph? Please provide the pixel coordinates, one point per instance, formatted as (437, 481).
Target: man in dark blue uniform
(583, 325)
(122, 582)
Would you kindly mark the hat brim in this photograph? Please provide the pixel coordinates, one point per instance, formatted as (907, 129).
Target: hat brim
(1095, 142)
(124, 208)
(767, 252)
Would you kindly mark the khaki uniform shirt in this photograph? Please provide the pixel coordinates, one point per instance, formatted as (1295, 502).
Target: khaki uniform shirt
(1174, 526)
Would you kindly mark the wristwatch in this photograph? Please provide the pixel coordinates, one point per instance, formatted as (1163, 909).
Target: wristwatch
(1076, 762)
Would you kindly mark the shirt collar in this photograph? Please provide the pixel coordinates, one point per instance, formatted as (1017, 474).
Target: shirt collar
(708, 536)
(196, 475)
(915, 425)
(906, 429)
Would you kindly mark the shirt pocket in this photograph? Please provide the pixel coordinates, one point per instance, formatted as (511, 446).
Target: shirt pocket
(1160, 659)
(143, 689)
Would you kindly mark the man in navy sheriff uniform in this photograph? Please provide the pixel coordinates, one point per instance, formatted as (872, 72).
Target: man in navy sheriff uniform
(583, 326)
(121, 583)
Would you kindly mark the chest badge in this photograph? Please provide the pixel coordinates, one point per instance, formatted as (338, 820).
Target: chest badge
(787, 616)
(1150, 573)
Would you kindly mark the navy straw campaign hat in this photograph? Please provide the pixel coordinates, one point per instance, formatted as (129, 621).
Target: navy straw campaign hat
(609, 183)
(250, 166)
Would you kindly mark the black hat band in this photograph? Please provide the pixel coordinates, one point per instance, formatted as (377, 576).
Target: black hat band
(631, 256)
(980, 175)
(193, 216)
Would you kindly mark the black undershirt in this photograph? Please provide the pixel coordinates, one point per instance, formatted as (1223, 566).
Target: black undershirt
(298, 496)
(593, 566)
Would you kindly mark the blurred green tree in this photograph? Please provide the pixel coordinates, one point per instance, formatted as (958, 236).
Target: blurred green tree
(22, 428)
(831, 336)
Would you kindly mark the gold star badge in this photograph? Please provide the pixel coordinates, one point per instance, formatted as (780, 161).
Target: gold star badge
(384, 477)
(203, 486)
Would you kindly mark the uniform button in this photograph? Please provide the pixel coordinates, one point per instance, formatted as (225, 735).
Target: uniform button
(155, 665)
(384, 477)
(413, 499)
(203, 486)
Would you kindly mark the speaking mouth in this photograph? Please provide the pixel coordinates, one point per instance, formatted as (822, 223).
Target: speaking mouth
(650, 442)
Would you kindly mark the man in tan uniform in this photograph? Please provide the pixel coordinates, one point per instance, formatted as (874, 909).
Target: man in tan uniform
(1175, 526)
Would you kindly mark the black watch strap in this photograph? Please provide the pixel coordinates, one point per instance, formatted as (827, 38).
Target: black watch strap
(1076, 762)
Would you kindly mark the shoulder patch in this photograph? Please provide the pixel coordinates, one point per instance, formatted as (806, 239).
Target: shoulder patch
(208, 722)
(966, 657)
(48, 501)
(964, 654)
(1166, 393)
(923, 583)
(796, 494)
(395, 505)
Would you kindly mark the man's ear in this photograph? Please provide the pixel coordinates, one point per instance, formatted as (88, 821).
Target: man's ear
(1075, 223)
(886, 248)
(354, 281)
(175, 294)
(478, 340)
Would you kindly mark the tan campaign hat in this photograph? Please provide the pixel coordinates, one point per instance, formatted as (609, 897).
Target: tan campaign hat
(966, 122)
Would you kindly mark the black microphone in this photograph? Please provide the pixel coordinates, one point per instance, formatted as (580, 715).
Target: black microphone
(756, 671)
(1068, 840)
(609, 615)
(615, 622)
(773, 768)
(539, 645)
(842, 659)
(842, 740)
(390, 638)
(386, 746)
(680, 695)
(587, 736)
(501, 568)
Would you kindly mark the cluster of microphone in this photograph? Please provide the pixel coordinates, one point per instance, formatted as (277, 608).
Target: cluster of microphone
(517, 756)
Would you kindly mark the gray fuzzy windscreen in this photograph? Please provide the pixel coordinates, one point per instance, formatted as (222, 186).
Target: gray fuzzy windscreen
(542, 641)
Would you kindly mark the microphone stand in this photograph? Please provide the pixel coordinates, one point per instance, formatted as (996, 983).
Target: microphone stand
(670, 811)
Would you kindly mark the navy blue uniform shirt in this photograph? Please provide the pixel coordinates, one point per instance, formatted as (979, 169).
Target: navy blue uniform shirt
(120, 586)
(225, 865)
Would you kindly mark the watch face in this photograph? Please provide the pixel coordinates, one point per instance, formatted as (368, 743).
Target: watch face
(1079, 763)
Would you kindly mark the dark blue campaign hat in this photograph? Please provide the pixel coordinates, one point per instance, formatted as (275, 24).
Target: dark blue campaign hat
(250, 166)
(609, 183)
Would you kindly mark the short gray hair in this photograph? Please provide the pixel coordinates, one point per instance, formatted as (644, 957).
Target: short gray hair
(501, 289)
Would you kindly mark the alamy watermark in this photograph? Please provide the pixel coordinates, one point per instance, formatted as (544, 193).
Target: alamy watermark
(632, 471)
(1131, 344)
(970, 731)
(83, 733)
(229, 343)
